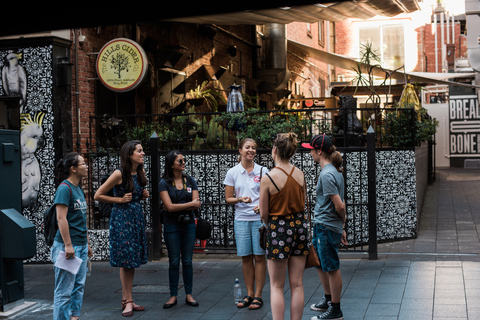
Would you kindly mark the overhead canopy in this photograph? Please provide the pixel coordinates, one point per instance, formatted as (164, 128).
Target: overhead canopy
(40, 16)
(333, 11)
(350, 63)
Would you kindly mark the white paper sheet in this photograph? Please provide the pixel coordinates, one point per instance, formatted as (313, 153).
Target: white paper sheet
(72, 265)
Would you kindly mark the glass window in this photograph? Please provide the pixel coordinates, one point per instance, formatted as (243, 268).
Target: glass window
(388, 40)
(321, 39)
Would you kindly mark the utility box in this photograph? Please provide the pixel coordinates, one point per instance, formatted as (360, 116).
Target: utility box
(10, 170)
(17, 233)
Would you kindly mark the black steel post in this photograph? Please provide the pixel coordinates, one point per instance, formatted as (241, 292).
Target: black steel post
(155, 250)
(372, 195)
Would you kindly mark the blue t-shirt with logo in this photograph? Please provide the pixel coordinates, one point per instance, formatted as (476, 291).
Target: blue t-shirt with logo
(330, 182)
(73, 197)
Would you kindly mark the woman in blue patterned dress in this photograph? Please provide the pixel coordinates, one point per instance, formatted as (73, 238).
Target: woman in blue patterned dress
(128, 241)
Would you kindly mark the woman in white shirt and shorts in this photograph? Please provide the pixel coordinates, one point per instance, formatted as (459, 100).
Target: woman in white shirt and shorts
(242, 189)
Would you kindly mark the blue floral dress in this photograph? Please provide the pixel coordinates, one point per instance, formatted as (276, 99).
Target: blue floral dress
(128, 240)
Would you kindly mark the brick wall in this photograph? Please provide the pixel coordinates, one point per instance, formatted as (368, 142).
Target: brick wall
(308, 75)
(197, 49)
(428, 53)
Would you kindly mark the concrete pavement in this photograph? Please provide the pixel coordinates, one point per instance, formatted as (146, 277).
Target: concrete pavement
(435, 276)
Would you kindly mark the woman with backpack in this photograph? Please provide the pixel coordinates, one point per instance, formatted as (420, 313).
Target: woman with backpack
(71, 239)
(179, 195)
(128, 240)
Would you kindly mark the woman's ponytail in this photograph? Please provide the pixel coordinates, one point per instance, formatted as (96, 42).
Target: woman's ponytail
(335, 158)
(62, 169)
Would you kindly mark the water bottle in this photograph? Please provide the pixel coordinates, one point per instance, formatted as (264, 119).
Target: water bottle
(89, 266)
(237, 292)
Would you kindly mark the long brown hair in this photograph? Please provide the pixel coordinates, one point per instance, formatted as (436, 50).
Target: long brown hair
(126, 164)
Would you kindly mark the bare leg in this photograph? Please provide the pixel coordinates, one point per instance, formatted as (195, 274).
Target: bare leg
(277, 270)
(335, 279)
(260, 274)
(296, 266)
(126, 278)
(332, 283)
(324, 279)
(248, 269)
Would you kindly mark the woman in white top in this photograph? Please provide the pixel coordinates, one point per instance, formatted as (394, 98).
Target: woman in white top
(242, 189)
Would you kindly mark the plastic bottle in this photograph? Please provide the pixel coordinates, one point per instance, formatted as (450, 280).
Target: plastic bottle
(237, 292)
(89, 266)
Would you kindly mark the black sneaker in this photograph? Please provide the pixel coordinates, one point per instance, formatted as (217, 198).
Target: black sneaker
(331, 314)
(322, 305)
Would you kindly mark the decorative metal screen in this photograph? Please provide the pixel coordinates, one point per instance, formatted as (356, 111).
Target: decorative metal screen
(396, 193)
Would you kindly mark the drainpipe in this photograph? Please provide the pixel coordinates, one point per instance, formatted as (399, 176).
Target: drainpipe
(275, 76)
(77, 93)
(472, 11)
(436, 44)
(442, 42)
(453, 29)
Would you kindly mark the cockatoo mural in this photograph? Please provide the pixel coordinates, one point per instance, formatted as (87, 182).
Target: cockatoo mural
(31, 139)
(14, 79)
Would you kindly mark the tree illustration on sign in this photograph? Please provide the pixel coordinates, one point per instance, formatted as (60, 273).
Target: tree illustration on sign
(119, 63)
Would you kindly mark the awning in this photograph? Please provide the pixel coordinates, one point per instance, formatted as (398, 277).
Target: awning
(38, 17)
(350, 63)
(334, 11)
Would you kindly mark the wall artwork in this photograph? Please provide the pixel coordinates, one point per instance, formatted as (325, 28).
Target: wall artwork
(27, 74)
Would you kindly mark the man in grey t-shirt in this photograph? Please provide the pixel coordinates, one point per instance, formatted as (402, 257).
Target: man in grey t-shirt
(329, 222)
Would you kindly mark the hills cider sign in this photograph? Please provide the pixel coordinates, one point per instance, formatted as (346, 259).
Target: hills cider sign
(464, 117)
(121, 64)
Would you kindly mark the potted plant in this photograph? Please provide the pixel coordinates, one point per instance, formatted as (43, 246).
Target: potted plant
(201, 94)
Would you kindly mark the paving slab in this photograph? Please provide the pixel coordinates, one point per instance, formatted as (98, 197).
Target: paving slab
(434, 276)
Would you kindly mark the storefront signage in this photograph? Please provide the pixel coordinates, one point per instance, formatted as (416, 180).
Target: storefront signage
(464, 127)
(121, 64)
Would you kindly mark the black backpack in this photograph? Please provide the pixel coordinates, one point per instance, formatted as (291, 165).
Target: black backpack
(104, 208)
(50, 224)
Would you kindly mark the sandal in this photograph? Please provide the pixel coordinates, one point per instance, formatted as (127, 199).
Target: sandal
(135, 307)
(128, 313)
(246, 301)
(256, 302)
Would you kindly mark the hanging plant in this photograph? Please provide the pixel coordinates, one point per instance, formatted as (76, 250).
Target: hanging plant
(201, 94)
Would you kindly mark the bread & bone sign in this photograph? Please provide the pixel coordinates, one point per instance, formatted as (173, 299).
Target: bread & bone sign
(464, 116)
(121, 64)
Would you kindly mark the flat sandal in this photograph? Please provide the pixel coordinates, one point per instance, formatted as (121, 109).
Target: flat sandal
(128, 313)
(135, 307)
(246, 301)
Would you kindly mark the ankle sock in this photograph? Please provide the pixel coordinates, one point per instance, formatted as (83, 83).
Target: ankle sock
(328, 297)
(336, 305)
